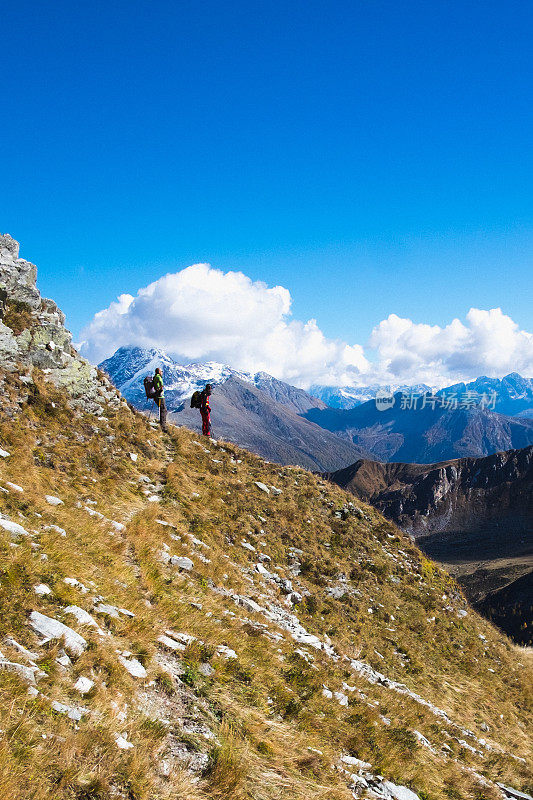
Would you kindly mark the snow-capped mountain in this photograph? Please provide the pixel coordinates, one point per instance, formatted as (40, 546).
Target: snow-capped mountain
(130, 365)
(346, 397)
(256, 411)
(513, 393)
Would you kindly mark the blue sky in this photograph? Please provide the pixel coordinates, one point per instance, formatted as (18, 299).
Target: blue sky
(371, 157)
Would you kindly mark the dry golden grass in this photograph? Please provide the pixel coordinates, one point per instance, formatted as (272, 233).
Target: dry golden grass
(265, 708)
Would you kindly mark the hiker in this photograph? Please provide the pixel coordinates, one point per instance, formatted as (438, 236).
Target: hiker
(201, 400)
(159, 398)
(205, 410)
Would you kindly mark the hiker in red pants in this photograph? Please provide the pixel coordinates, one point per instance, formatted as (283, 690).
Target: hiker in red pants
(205, 410)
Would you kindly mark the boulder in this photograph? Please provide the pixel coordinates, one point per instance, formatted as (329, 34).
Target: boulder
(52, 629)
(53, 501)
(27, 674)
(72, 713)
(83, 617)
(182, 562)
(134, 667)
(13, 528)
(83, 685)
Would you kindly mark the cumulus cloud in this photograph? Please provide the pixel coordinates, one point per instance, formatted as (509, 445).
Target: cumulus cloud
(201, 313)
(488, 343)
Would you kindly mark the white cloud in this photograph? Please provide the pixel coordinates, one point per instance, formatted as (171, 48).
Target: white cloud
(201, 314)
(489, 343)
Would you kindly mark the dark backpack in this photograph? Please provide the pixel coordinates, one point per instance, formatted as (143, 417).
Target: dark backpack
(196, 400)
(149, 387)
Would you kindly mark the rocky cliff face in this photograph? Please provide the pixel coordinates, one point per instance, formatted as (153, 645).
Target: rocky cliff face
(461, 494)
(33, 336)
(473, 515)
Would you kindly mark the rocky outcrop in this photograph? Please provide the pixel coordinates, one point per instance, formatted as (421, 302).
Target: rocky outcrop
(33, 335)
(472, 515)
(460, 494)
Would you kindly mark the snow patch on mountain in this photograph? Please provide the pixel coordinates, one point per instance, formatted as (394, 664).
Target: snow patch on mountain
(346, 397)
(130, 365)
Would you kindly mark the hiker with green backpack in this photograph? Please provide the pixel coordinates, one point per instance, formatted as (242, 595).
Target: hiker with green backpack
(155, 391)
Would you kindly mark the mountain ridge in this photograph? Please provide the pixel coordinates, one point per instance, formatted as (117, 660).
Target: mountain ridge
(513, 393)
(427, 433)
(256, 411)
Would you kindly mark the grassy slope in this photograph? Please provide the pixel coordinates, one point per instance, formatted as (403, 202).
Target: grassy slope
(266, 708)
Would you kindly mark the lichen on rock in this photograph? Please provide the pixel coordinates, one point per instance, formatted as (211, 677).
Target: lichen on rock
(33, 334)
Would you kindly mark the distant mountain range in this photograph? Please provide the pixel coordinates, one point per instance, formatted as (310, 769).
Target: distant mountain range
(287, 424)
(472, 515)
(346, 397)
(427, 433)
(513, 393)
(256, 411)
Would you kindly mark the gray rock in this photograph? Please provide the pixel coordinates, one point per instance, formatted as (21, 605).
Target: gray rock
(123, 743)
(42, 589)
(27, 674)
(13, 528)
(52, 629)
(514, 793)
(170, 644)
(247, 603)
(52, 500)
(134, 667)
(398, 792)
(226, 652)
(21, 649)
(182, 562)
(83, 685)
(110, 611)
(355, 762)
(82, 616)
(72, 713)
(46, 343)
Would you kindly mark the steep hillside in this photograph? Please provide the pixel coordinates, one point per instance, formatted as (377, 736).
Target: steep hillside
(473, 515)
(426, 434)
(258, 412)
(180, 619)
